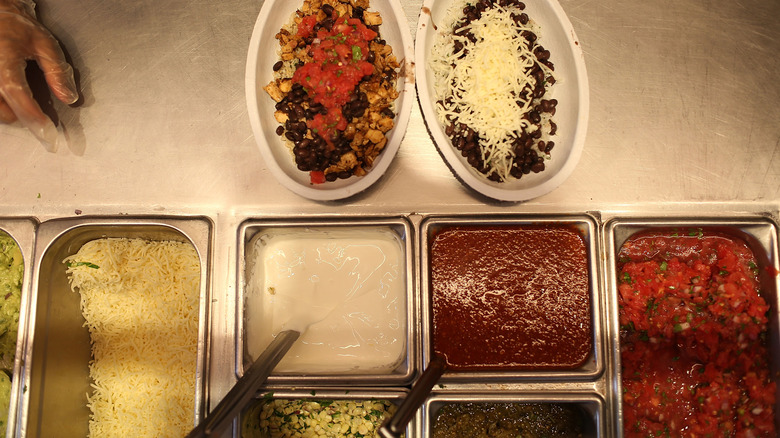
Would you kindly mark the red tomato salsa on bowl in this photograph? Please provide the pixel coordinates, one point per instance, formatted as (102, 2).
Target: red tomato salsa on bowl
(693, 328)
(338, 65)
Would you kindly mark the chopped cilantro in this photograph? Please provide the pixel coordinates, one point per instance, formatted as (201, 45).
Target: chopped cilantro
(357, 54)
(87, 264)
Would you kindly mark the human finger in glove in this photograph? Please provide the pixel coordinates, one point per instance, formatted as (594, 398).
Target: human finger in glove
(23, 38)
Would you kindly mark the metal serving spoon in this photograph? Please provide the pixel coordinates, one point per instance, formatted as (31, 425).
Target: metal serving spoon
(394, 426)
(237, 398)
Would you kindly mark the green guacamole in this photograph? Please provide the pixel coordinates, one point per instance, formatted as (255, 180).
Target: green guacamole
(11, 270)
(5, 396)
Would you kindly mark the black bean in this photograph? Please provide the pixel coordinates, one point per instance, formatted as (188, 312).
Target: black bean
(327, 9)
(278, 65)
(299, 112)
(553, 128)
(293, 135)
(541, 54)
(300, 152)
(279, 130)
(457, 46)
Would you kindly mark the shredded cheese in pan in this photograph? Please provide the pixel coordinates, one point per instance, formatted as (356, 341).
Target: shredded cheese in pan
(480, 85)
(140, 300)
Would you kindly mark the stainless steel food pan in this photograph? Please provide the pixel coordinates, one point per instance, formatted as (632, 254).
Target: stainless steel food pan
(761, 235)
(587, 226)
(395, 396)
(22, 230)
(591, 404)
(58, 351)
(404, 372)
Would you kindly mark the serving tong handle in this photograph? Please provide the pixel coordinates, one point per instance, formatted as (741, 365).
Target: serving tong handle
(245, 388)
(394, 426)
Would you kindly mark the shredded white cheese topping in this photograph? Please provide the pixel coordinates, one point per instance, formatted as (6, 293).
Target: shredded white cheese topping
(140, 300)
(482, 89)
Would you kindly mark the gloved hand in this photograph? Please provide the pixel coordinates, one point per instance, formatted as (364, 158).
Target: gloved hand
(23, 38)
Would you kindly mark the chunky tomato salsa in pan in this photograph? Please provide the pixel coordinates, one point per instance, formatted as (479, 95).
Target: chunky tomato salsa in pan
(693, 326)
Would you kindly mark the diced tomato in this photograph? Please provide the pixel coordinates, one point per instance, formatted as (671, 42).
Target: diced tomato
(306, 25)
(317, 176)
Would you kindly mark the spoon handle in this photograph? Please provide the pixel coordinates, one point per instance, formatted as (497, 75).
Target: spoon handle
(246, 387)
(395, 426)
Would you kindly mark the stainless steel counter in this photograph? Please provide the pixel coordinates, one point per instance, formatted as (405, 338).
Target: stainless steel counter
(683, 109)
(684, 119)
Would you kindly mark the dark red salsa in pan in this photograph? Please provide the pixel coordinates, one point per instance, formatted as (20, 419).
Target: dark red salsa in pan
(510, 298)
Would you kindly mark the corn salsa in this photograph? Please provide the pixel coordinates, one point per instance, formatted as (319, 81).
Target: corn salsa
(693, 337)
(274, 418)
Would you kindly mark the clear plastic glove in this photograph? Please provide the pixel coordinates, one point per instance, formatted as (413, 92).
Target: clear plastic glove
(23, 38)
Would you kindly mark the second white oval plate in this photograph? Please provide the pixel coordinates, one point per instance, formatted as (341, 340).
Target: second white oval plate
(571, 90)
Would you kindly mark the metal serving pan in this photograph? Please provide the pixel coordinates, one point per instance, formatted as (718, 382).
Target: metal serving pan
(761, 235)
(395, 396)
(594, 366)
(592, 405)
(22, 231)
(58, 350)
(253, 229)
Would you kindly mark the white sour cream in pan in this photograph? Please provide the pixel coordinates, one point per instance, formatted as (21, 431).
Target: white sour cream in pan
(343, 289)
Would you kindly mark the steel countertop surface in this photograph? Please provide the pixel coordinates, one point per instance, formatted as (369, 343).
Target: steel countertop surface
(684, 119)
(683, 109)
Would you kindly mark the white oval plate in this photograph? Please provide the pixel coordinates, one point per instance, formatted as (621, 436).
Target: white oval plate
(570, 89)
(263, 54)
